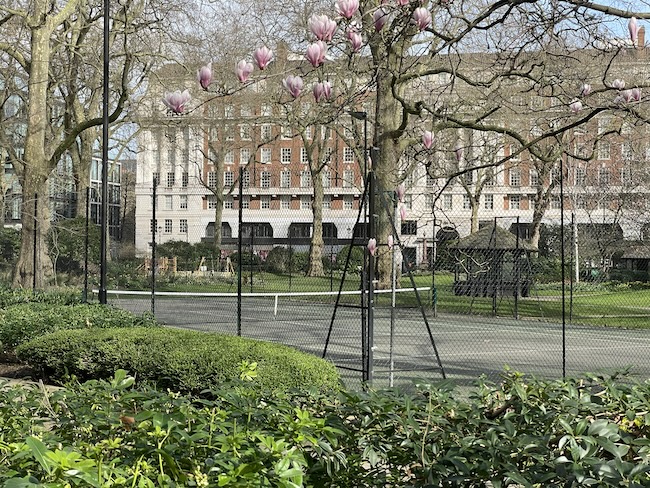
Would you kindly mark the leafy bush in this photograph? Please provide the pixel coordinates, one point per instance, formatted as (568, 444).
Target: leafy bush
(66, 241)
(587, 432)
(62, 296)
(277, 261)
(20, 323)
(9, 244)
(356, 259)
(182, 360)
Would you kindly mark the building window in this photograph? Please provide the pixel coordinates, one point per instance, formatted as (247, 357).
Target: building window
(581, 202)
(245, 132)
(603, 150)
(212, 179)
(348, 155)
(227, 202)
(229, 111)
(409, 227)
(327, 202)
(305, 202)
(581, 177)
(287, 133)
(408, 201)
(468, 178)
(246, 179)
(555, 202)
(626, 151)
(285, 179)
(265, 179)
(348, 202)
(534, 177)
(228, 179)
(212, 202)
(182, 201)
(327, 179)
(285, 155)
(555, 175)
(185, 179)
(603, 176)
(266, 110)
(182, 226)
(626, 176)
(229, 157)
(168, 226)
(285, 202)
(169, 202)
(266, 132)
(305, 179)
(244, 155)
(155, 177)
(467, 202)
(515, 202)
(304, 159)
(515, 177)
(489, 179)
(152, 225)
(245, 202)
(308, 133)
(488, 202)
(228, 133)
(428, 202)
(431, 181)
(171, 179)
(348, 178)
(447, 202)
(245, 111)
(265, 202)
(266, 155)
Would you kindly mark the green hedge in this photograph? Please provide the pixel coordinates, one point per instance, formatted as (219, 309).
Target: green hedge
(20, 323)
(14, 296)
(181, 360)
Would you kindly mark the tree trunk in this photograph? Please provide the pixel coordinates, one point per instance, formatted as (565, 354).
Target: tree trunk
(218, 211)
(316, 249)
(36, 170)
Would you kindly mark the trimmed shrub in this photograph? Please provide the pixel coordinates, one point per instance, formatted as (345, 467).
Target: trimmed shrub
(20, 323)
(63, 296)
(181, 360)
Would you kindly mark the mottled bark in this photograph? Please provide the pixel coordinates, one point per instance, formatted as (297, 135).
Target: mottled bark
(316, 248)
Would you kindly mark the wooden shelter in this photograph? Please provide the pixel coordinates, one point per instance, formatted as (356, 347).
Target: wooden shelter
(492, 262)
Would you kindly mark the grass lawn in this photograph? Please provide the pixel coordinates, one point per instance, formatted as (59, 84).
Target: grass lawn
(591, 304)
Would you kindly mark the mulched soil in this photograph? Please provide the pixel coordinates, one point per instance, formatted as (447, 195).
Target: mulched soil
(10, 367)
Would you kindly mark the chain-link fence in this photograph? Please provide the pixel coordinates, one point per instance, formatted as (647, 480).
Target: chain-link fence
(490, 294)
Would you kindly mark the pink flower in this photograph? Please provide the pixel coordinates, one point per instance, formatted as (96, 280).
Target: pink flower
(625, 96)
(402, 212)
(427, 139)
(389, 241)
(316, 53)
(204, 76)
(322, 91)
(176, 101)
(380, 17)
(618, 84)
(322, 27)
(636, 94)
(421, 18)
(575, 106)
(262, 57)
(633, 27)
(347, 8)
(401, 190)
(585, 90)
(402, 3)
(293, 84)
(355, 39)
(243, 70)
(372, 246)
(458, 151)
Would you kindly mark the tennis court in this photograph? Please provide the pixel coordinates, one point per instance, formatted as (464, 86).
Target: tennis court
(468, 345)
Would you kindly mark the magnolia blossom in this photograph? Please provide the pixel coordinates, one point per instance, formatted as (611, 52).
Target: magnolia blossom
(176, 101)
(618, 84)
(372, 246)
(585, 90)
(402, 3)
(427, 139)
(293, 84)
(322, 27)
(458, 151)
(401, 191)
(380, 17)
(243, 70)
(322, 91)
(204, 76)
(262, 57)
(575, 106)
(421, 18)
(633, 27)
(636, 94)
(389, 241)
(355, 39)
(316, 53)
(347, 8)
(402, 212)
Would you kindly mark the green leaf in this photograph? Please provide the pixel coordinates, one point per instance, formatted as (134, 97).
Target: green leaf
(39, 451)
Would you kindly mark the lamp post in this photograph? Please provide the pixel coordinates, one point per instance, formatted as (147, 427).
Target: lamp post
(105, 121)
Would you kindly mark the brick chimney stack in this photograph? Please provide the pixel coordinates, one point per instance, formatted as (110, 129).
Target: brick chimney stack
(641, 38)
